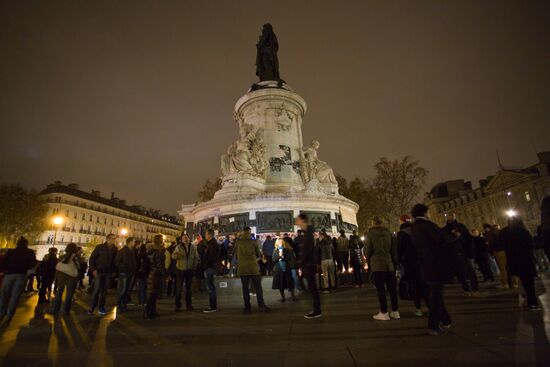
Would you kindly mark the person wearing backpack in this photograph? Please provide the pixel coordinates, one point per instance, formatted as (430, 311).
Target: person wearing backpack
(66, 278)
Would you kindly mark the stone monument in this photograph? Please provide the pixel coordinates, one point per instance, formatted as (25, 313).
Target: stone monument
(268, 175)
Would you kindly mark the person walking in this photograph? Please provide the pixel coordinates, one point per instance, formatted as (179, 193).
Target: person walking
(16, 263)
(326, 253)
(267, 251)
(247, 254)
(126, 265)
(307, 263)
(342, 250)
(47, 270)
(518, 244)
(381, 254)
(142, 273)
(157, 274)
(433, 247)
(209, 262)
(187, 258)
(464, 256)
(101, 267)
(66, 278)
(408, 259)
(283, 259)
(481, 250)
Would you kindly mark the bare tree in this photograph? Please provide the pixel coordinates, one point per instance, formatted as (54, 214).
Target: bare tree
(208, 189)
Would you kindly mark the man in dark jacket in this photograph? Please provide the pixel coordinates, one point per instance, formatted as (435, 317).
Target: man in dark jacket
(209, 261)
(267, 251)
(432, 247)
(16, 263)
(101, 266)
(125, 263)
(464, 256)
(307, 261)
(47, 270)
(157, 273)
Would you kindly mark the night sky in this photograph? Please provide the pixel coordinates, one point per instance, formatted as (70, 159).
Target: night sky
(137, 97)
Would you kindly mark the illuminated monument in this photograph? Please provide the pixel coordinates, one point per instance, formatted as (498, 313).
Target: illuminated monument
(268, 175)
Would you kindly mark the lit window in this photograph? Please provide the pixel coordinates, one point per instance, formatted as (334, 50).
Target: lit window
(527, 196)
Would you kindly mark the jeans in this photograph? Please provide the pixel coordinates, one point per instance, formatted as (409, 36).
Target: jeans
(45, 288)
(99, 294)
(256, 281)
(469, 278)
(327, 267)
(343, 258)
(183, 276)
(357, 268)
(211, 287)
(296, 279)
(123, 289)
(436, 303)
(383, 280)
(12, 287)
(309, 274)
(142, 290)
(63, 282)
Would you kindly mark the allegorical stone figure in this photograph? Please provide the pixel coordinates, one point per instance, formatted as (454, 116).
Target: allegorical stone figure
(246, 155)
(267, 63)
(314, 168)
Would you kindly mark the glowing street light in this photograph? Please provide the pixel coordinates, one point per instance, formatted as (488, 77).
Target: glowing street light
(57, 221)
(124, 231)
(511, 213)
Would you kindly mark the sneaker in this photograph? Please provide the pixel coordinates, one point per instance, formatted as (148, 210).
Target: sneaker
(395, 315)
(252, 294)
(418, 313)
(380, 316)
(210, 310)
(445, 326)
(434, 332)
(102, 312)
(313, 315)
(325, 291)
(476, 294)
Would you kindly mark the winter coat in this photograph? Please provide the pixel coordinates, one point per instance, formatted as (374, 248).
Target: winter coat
(518, 244)
(493, 241)
(247, 254)
(211, 254)
(342, 244)
(47, 268)
(157, 269)
(307, 256)
(356, 255)
(282, 266)
(268, 246)
(466, 248)
(125, 261)
(406, 252)
(433, 248)
(381, 250)
(325, 250)
(186, 257)
(143, 267)
(481, 248)
(19, 260)
(102, 258)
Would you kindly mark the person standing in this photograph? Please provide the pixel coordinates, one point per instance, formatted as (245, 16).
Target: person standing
(481, 250)
(283, 260)
(307, 262)
(66, 277)
(356, 260)
(267, 250)
(297, 244)
(47, 270)
(101, 267)
(464, 255)
(187, 258)
(342, 249)
(16, 263)
(142, 273)
(433, 248)
(326, 253)
(518, 244)
(492, 234)
(247, 253)
(209, 262)
(157, 274)
(126, 265)
(381, 254)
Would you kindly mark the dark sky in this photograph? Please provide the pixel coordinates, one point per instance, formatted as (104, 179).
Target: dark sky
(137, 97)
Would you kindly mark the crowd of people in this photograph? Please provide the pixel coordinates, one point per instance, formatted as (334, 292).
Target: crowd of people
(413, 264)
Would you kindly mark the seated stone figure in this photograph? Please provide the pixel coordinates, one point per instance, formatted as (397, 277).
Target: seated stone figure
(314, 168)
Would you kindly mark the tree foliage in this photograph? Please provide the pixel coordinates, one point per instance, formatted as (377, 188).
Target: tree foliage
(22, 213)
(208, 189)
(389, 194)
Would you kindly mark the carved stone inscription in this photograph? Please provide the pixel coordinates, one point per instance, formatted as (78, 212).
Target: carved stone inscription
(233, 223)
(274, 221)
(319, 220)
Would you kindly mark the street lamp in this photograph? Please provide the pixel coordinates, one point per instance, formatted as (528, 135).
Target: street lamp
(511, 213)
(123, 232)
(57, 221)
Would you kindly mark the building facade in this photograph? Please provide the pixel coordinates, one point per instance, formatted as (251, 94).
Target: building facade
(508, 192)
(85, 218)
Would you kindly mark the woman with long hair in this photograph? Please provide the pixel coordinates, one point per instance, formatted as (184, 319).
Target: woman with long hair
(66, 277)
(283, 261)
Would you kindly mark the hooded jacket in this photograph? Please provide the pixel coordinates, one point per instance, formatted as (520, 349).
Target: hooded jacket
(381, 251)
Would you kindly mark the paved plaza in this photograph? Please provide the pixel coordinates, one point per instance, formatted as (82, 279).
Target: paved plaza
(491, 331)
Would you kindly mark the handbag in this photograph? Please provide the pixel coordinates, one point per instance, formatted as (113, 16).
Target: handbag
(67, 268)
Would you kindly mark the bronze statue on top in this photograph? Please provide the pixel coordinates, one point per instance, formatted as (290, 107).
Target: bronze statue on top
(267, 63)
